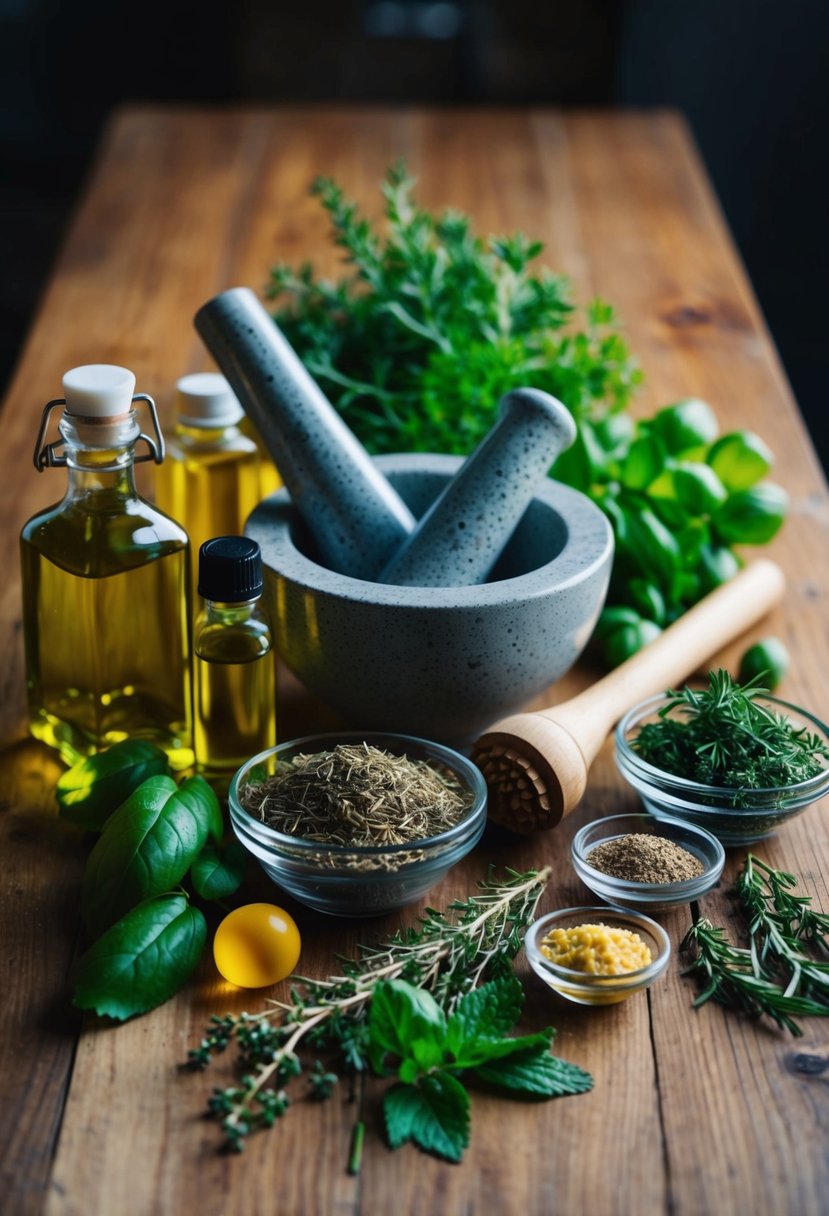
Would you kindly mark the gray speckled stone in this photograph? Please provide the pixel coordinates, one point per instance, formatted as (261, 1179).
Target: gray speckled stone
(461, 536)
(357, 519)
(440, 662)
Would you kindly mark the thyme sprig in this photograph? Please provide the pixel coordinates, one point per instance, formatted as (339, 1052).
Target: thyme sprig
(447, 957)
(776, 975)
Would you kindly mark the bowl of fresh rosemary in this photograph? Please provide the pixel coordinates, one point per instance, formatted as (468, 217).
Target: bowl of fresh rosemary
(729, 758)
(358, 824)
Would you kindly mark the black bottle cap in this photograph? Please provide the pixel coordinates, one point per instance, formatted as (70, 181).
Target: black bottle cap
(230, 569)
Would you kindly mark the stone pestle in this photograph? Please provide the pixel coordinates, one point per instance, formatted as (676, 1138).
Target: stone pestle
(461, 536)
(355, 517)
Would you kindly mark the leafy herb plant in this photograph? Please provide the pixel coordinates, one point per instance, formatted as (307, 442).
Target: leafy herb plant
(726, 738)
(431, 325)
(145, 935)
(784, 972)
(432, 1007)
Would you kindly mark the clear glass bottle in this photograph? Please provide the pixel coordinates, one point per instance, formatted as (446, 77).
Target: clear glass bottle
(106, 584)
(235, 712)
(211, 477)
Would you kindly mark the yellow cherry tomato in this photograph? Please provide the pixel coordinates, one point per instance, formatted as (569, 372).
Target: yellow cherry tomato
(256, 945)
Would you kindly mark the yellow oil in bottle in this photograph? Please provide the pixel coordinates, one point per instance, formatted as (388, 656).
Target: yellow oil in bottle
(210, 479)
(106, 588)
(269, 479)
(235, 711)
(234, 672)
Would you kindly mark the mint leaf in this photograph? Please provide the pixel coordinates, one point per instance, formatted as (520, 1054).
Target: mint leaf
(218, 871)
(142, 959)
(485, 1012)
(535, 1074)
(93, 788)
(434, 1113)
(146, 847)
(401, 1013)
(478, 1051)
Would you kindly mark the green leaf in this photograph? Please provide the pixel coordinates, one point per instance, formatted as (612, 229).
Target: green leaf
(698, 488)
(644, 462)
(623, 643)
(146, 847)
(485, 1012)
(685, 425)
(537, 1074)
(752, 517)
(716, 566)
(435, 1114)
(92, 789)
(143, 959)
(766, 661)
(399, 1014)
(476, 1052)
(218, 870)
(740, 459)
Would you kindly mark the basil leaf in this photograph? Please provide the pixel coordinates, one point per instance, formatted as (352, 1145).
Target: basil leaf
(218, 871)
(537, 1074)
(766, 661)
(740, 459)
(147, 847)
(92, 789)
(401, 1013)
(716, 566)
(686, 425)
(434, 1113)
(644, 462)
(752, 517)
(698, 488)
(143, 959)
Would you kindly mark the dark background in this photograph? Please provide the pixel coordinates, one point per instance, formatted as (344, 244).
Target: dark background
(750, 75)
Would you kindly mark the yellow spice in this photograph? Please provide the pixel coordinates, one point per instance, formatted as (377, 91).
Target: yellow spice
(596, 949)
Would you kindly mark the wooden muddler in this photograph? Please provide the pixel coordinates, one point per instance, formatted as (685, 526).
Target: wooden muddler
(536, 764)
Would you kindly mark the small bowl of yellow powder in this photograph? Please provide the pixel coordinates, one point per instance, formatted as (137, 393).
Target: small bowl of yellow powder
(597, 955)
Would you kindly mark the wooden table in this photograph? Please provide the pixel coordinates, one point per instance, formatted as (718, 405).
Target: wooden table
(692, 1112)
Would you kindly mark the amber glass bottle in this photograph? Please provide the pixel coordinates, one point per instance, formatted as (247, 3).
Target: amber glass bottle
(106, 585)
(235, 715)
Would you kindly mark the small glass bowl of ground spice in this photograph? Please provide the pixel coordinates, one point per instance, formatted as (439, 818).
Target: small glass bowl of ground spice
(358, 824)
(597, 955)
(641, 861)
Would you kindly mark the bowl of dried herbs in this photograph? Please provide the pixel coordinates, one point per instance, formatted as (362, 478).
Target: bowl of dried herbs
(358, 824)
(729, 758)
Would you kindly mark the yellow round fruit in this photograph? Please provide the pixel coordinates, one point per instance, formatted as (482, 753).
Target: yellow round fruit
(256, 945)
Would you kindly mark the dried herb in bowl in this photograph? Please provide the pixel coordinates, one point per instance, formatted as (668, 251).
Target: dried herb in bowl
(360, 795)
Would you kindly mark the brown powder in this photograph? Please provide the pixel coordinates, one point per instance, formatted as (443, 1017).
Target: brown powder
(642, 857)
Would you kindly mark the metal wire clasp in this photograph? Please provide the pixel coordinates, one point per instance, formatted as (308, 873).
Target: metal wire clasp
(48, 456)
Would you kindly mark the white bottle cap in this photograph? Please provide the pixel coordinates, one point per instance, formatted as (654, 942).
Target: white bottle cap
(98, 390)
(206, 399)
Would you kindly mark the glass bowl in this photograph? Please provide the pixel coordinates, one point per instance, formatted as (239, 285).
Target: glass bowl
(581, 987)
(733, 816)
(649, 896)
(350, 880)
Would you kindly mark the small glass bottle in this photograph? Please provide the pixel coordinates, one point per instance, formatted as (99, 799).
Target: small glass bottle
(211, 477)
(269, 479)
(235, 715)
(106, 584)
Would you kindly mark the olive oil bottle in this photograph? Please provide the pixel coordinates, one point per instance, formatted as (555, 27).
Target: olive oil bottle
(269, 479)
(235, 716)
(211, 477)
(106, 584)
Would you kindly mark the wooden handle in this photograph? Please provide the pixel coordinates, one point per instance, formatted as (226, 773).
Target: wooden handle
(673, 656)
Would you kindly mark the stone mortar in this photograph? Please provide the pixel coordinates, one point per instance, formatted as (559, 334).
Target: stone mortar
(440, 662)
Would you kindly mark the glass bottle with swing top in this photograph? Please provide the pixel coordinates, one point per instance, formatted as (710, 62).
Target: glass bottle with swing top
(106, 583)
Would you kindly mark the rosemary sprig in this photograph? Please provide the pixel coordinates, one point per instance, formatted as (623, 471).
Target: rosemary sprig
(445, 957)
(775, 975)
(725, 738)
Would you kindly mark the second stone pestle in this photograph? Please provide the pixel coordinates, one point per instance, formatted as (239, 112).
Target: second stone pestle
(356, 518)
(462, 535)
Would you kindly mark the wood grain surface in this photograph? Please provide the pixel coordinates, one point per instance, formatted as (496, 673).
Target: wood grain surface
(692, 1112)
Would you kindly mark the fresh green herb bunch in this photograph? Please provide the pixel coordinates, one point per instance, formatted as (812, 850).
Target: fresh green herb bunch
(416, 344)
(431, 1005)
(784, 973)
(726, 738)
